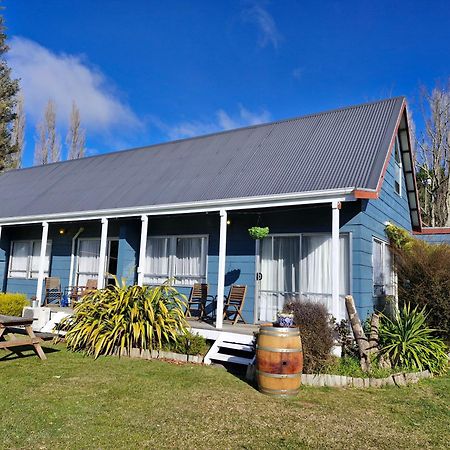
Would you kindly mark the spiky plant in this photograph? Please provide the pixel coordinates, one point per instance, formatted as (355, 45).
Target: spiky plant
(120, 317)
(410, 344)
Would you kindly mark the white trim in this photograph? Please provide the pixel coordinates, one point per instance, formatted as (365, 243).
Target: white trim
(267, 201)
(40, 282)
(142, 250)
(335, 260)
(102, 258)
(221, 268)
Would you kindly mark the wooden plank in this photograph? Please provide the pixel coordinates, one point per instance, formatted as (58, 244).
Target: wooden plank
(13, 320)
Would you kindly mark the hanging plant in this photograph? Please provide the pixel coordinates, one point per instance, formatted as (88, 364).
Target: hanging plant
(258, 232)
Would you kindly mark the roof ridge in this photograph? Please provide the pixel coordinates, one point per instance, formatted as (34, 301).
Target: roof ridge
(217, 133)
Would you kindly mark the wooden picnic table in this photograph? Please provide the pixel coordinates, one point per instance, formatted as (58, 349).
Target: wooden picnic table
(10, 325)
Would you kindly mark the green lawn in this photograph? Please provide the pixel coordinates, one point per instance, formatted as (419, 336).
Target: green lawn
(71, 401)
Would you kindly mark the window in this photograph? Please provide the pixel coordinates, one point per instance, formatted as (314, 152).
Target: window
(24, 260)
(88, 260)
(398, 167)
(383, 274)
(179, 257)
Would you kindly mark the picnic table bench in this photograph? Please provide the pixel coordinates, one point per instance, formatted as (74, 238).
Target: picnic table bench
(10, 325)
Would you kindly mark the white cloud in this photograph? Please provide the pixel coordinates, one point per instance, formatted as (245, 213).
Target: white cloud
(222, 121)
(63, 78)
(257, 14)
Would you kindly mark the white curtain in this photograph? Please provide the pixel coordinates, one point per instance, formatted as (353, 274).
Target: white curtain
(190, 260)
(316, 269)
(157, 261)
(88, 260)
(382, 269)
(35, 257)
(19, 259)
(280, 260)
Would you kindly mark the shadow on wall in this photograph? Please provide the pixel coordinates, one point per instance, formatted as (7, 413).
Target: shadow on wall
(232, 276)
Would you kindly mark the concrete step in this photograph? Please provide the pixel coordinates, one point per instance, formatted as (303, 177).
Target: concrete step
(231, 358)
(234, 346)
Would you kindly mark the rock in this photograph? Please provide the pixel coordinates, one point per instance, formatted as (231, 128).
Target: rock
(399, 379)
(358, 382)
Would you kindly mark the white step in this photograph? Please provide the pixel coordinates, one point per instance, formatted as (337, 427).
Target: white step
(234, 346)
(232, 358)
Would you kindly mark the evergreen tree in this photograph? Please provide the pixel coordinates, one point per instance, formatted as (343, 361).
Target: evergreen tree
(9, 88)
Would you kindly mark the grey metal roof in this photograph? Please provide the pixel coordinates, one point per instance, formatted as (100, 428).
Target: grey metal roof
(330, 150)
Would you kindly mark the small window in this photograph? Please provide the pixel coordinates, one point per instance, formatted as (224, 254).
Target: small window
(383, 273)
(180, 257)
(24, 260)
(398, 167)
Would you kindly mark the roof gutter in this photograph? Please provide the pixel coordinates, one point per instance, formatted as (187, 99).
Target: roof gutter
(267, 201)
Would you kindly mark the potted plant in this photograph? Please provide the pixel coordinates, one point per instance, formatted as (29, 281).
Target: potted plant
(285, 320)
(258, 232)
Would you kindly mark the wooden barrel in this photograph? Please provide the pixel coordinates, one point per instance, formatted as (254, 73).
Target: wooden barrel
(279, 361)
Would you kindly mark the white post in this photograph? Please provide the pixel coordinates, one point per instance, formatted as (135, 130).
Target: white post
(40, 281)
(102, 258)
(221, 269)
(335, 260)
(142, 250)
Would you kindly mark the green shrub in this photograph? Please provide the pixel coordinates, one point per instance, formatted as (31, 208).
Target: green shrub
(424, 280)
(124, 317)
(316, 333)
(189, 344)
(350, 366)
(12, 304)
(410, 344)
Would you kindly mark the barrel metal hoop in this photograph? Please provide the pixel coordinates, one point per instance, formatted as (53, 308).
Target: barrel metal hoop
(279, 392)
(278, 350)
(278, 375)
(279, 333)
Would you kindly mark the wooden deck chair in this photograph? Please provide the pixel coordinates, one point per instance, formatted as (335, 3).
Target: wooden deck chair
(78, 292)
(234, 303)
(197, 298)
(53, 293)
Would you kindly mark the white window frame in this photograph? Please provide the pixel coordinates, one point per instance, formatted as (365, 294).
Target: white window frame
(172, 259)
(392, 285)
(28, 273)
(398, 175)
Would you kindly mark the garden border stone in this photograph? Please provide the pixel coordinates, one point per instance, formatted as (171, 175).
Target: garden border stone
(396, 379)
(137, 353)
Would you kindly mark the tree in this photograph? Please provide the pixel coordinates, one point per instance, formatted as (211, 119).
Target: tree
(433, 174)
(76, 135)
(9, 88)
(18, 133)
(48, 142)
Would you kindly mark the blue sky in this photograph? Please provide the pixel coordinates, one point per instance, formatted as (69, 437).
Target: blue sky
(149, 71)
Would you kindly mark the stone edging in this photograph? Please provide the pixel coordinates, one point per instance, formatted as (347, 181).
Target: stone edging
(159, 354)
(397, 379)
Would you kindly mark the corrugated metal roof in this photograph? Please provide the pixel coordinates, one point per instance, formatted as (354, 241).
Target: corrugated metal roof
(331, 150)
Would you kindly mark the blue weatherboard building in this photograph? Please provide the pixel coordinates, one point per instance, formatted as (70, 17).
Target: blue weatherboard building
(325, 184)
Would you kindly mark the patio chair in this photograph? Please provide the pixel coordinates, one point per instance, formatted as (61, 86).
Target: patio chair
(78, 292)
(53, 293)
(234, 303)
(197, 297)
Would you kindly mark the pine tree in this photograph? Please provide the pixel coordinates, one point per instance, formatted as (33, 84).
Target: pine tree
(9, 88)
(76, 135)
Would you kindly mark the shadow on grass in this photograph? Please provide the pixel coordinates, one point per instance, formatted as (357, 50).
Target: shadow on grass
(18, 352)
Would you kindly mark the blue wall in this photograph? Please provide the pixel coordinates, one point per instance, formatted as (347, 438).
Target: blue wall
(434, 238)
(370, 223)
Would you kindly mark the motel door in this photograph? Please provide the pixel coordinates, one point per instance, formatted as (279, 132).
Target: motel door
(278, 276)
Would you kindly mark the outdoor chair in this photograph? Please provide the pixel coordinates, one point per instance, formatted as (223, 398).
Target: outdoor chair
(78, 292)
(234, 303)
(53, 293)
(197, 298)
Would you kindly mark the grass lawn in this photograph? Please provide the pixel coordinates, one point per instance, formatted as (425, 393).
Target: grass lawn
(72, 401)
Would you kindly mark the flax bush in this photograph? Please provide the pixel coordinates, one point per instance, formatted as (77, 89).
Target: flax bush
(125, 317)
(12, 304)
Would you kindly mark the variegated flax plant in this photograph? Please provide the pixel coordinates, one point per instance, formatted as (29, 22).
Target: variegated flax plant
(120, 317)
